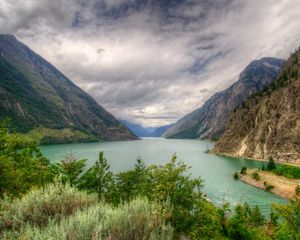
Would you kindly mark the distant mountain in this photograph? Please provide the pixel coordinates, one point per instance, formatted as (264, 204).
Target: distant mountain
(268, 123)
(160, 131)
(137, 129)
(151, 129)
(210, 120)
(41, 101)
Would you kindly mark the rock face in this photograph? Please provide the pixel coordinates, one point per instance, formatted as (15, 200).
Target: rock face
(268, 123)
(210, 120)
(34, 94)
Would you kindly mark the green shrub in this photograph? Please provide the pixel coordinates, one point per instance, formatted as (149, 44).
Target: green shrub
(138, 219)
(268, 187)
(243, 170)
(246, 223)
(38, 207)
(271, 164)
(288, 171)
(255, 176)
(22, 166)
(297, 190)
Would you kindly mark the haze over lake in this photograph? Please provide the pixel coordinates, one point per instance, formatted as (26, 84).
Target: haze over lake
(216, 171)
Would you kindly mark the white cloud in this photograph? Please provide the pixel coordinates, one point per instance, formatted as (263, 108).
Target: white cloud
(153, 63)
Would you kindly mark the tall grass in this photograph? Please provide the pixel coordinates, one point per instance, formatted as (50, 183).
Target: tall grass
(62, 212)
(40, 206)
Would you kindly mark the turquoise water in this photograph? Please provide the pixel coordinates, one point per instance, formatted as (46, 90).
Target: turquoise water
(217, 172)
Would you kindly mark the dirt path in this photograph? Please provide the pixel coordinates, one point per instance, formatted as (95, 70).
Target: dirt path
(283, 186)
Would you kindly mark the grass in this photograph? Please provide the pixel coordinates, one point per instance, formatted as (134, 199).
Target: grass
(46, 136)
(40, 206)
(61, 212)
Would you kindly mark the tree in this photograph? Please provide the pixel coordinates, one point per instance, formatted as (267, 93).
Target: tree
(98, 178)
(69, 169)
(133, 183)
(22, 166)
(271, 164)
(246, 223)
(290, 217)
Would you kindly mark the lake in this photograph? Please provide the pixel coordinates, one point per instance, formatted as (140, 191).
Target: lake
(217, 172)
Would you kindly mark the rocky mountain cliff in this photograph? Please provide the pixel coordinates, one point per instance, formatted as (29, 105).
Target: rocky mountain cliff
(210, 120)
(268, 123)
(35, 96)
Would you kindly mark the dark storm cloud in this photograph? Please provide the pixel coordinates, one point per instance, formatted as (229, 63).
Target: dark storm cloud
(153, 60)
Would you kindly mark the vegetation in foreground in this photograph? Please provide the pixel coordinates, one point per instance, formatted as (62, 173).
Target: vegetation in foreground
(67, 201)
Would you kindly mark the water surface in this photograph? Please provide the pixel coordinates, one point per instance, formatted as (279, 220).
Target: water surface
(217, 172)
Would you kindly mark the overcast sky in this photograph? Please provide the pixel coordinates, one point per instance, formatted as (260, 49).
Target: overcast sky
(153, 61)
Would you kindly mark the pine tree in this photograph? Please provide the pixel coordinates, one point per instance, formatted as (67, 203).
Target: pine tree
(98, 178)
(271, 164)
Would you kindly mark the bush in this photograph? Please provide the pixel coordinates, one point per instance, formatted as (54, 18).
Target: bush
(138, 219)
(297, 190)
(288, 171)
(268, 187)
(271, 164)
(38, 207)
(22, 166)
(243, 170)
(246, 223)
(255, 176)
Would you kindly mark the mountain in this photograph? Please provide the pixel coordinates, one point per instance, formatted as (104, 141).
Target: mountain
(41, 101)
(210, 120)
(160, 131)
(137, 129)
(268, 123)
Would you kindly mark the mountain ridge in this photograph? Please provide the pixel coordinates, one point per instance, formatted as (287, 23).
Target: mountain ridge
(35, 94)
(268, 123)
(210, 120)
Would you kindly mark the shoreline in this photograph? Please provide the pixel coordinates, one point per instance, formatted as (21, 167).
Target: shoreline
(252, 159)
(281, 186)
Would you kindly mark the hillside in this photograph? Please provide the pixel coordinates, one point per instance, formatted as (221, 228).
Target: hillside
(35, 95)
(160, 131)
(210, 120)
(135, 128)
(268, 123)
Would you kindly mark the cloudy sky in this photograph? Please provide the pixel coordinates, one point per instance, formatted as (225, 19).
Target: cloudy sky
(153, 61)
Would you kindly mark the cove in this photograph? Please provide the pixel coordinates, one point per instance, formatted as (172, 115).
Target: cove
(216, 171)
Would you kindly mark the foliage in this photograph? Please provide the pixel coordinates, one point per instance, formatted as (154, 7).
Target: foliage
(22, 165)
(246, 223)
(138, 219)
(263, 168)
(255, 176)
(268, 187)
(243, 170)
(290, 215)
(206, 222)
(271, 164)
(288, 171)
(98, 178)
(297, 190)
(39, 206)
(69, 169)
